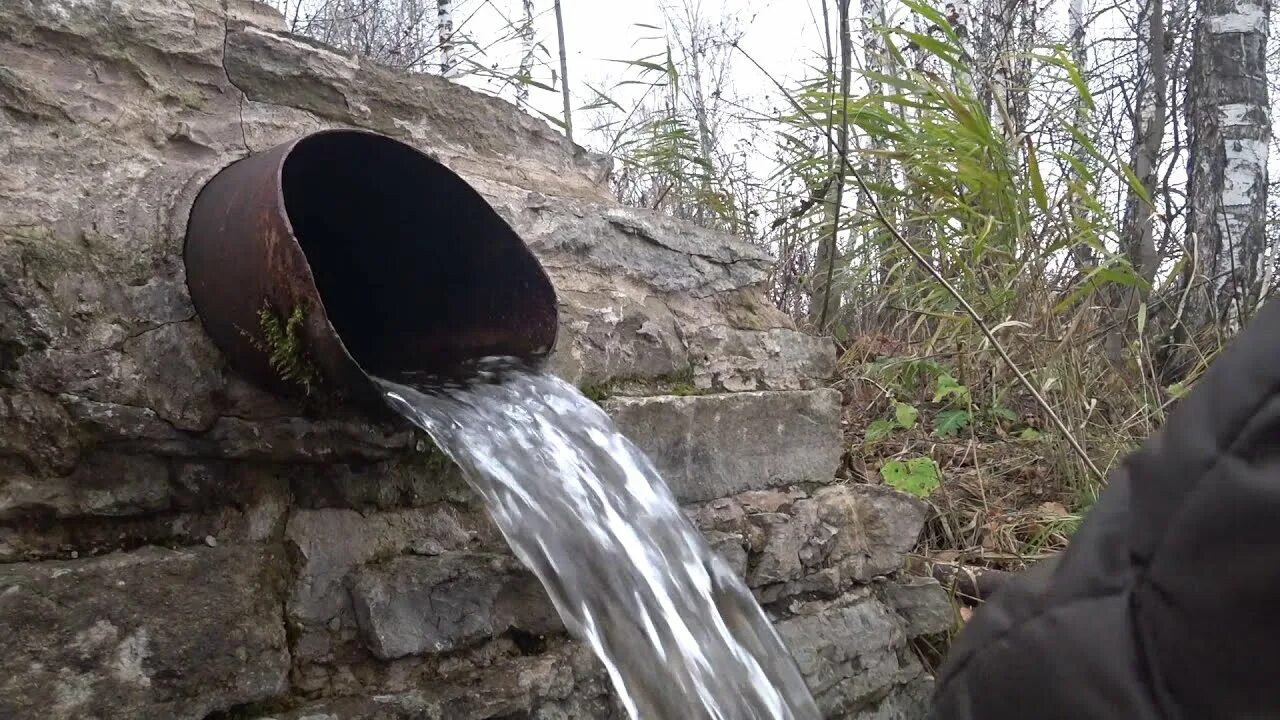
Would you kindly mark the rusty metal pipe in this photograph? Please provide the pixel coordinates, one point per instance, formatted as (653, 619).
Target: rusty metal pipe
(346, 253)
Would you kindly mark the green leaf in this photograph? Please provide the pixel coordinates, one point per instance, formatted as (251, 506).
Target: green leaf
(950, 422)
(906, 415)
(948, 387)
(1037, 182)
(558, 122)
(1003, 413)
(1029, 434)
(918, 476)
(877, 430)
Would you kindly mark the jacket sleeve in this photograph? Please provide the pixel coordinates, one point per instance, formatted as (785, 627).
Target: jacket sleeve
(1167, 602)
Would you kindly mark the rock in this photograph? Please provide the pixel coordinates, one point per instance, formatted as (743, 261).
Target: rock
(102, 484)
(38, 432)
(142, 430)
(148, 634)
(711, 446)
(794, 544)
(730, 548)
(852, 652)
(565, 683)
(612, 329)
(423, 605)
(331, 544)
(726, 359)
(410, 480)
(662, 253)
(472, 132)
(252, 12)
(860, 530)
(923, 603)
(910, 701)
(885, 524)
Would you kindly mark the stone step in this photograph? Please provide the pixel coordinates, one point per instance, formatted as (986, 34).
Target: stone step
(711, 446)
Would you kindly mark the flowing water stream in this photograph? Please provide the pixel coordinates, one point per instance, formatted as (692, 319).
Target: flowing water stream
(585, 510)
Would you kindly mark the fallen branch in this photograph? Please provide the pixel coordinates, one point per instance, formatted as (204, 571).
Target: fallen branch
(971, 583)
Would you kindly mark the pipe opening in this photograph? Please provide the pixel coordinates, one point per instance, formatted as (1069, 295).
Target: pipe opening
(416, 271)
(395, 265)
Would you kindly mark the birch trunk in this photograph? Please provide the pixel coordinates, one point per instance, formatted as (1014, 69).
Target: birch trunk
(1230, 130)
(1148, 126)
(444, 31)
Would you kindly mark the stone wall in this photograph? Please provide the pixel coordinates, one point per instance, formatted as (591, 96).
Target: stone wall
(176, 544)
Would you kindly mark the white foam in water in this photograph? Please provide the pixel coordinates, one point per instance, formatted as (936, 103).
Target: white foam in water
(584, 509)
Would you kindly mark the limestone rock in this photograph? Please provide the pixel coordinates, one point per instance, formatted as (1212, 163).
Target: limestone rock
(37, 432)
(910, 701)
(141, 429)
(473, 132)
(103, 484)
(330, 544)
(613, 329)
(731, 549)
(565, 683)
(923, 604)
(149, 634)
(729, 359)
(852, 652)
(421, 605)
(859, 531)
(715, 445)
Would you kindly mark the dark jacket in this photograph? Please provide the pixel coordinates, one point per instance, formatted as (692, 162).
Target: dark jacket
(1167, 603)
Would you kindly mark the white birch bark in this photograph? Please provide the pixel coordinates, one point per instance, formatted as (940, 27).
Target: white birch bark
(444, 31)
(1230, 126)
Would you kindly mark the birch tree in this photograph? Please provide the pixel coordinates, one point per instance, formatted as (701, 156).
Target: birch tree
(444, 29)
(1230, 130)
(1148, 137)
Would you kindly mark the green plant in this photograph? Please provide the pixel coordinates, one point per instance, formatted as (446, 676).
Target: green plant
(904, 417)
(919, 475)
(285, 346)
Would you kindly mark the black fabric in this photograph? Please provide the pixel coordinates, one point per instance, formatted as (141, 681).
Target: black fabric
(1167, 603)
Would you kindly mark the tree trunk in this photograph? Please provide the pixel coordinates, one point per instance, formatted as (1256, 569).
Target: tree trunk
(444, 30)
(525, 74)
(1082, 254)
(1230, 131)
(826, 300)
(1148, 129)
(1150, 117)
(564, 75)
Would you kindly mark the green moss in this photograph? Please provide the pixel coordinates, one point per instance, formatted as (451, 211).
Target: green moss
(430, 458)
(189, 99)
(596, 392)
(686, 389)
(679, 383)
(285, 347)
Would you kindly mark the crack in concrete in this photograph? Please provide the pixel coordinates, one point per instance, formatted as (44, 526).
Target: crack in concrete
(226, 37)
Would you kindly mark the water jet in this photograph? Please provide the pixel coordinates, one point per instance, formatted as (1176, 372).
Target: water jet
(346, 253)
